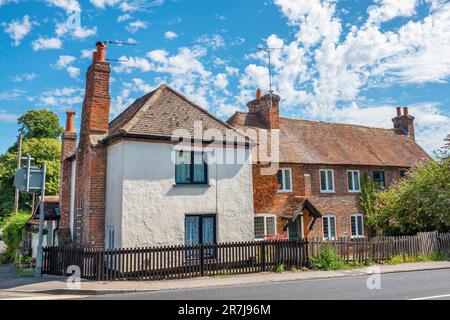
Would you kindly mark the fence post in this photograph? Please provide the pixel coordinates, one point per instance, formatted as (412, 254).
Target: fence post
(263, 255)
(202, 260)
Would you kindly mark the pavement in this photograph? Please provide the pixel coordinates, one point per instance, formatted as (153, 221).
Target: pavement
(58, 285)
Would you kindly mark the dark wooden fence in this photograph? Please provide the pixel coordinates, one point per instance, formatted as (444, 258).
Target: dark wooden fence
(176, 262)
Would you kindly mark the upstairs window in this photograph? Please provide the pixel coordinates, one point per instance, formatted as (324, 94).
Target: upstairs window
(190, 168)
(265, 225)
(379, 179)
(402, 173)
(285, 180)
(326, 181)
(353, 181)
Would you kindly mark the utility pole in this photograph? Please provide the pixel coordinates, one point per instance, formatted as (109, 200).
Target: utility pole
(19, 159)
(41, 225)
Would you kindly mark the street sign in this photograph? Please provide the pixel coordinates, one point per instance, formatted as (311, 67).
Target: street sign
(28, 183)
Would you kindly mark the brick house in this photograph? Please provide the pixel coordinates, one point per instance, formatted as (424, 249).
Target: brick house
(147, 178)
(315, 190)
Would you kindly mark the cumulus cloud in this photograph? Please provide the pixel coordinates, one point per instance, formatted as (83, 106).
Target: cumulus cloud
(214, 41)
(123, 17)
(134, 26)
(170, 35)
(18, 29)
(24, 77)
(59, 97)
(6, 116)
(65, 62)
(322, 71)
(46, 44)
(68, 5)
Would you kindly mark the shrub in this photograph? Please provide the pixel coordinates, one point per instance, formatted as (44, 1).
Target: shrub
(326, 259)
(280, 268)
(12, 235)
(294, 269)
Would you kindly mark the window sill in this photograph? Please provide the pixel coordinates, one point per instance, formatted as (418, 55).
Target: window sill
(354, 191)
(327, 192)
(285, 191)
(199, 185)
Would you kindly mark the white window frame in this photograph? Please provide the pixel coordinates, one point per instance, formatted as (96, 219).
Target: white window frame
(283, 187)
(356, 215)
(335, 227)
(265, 216)
(326, 180)
(353, 180)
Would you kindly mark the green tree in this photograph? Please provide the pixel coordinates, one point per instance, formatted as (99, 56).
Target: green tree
(40, 124)
(368, 200)
(44, 147)
(419, 202)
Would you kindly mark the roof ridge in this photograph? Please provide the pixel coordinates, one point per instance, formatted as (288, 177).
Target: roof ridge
(337, 123)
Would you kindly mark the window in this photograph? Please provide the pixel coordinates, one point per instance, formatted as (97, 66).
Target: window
(353, 181)
(199, 229)
(378, 179)
(190, 168)
(265, 225)
(294, 229)
(285, 180)
(357, 225)
(329, 227)
(326, 181)
(402, 173)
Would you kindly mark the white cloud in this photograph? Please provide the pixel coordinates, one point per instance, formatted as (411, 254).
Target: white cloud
(214, 41)
(6, 116)
(103, 3)
(24, 77)
(73, 71)
(68, 5)
(127, 64)
(221, 81)
(60, 97)
(77, 32)
(134, 26)
(64, 61)
(123, 17)
(3, 2)
(17, 29)
(46, 43)
(86, 54)
(170, 35)
(13, 94)
(142, 86)
(388, 9)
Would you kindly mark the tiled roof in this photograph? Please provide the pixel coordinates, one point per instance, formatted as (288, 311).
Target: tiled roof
(51, 205)
(161, 113)
(317, 142)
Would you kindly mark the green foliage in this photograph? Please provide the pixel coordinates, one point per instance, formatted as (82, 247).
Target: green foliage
(24, 273)
(327, 259)
(418, 203)
(403, 258)
(280, 268)
(12, 229)
(368, 200)
(41, 145)
(293, 269)
(7, 256)
(40, 124)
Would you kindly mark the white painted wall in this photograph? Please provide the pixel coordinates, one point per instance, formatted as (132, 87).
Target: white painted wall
(146, 208)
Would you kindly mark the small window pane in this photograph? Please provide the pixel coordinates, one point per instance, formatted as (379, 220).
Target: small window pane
(330, 180)
(360, 225)
(350, 181)
(333, 227)
(270, 225)
(323, 181)
(325, 227)
(280, 179)
(259, 227)
(287, 179)
(353, 225)
(356, 180)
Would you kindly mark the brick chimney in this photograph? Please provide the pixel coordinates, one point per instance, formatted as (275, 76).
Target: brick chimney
(68, 146)
(96, 105)
(404, 123)
(268, 107)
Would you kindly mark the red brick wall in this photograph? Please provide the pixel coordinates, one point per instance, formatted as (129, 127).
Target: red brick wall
(68, 146)
(341, 203)
(90, 197)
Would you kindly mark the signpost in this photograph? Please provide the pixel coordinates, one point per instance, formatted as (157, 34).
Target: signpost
(32, 179)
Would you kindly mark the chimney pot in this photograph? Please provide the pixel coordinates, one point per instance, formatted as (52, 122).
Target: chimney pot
(70, 121)
(258, 93)
(399, 111)
(405, 111)
(100, 54)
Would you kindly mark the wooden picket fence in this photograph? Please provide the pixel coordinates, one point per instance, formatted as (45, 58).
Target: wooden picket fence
(176, 262)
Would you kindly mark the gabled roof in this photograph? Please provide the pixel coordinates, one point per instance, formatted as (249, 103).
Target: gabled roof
(317, 142)
(162, 112)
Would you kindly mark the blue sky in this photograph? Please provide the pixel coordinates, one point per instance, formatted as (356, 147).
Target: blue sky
(344, 61)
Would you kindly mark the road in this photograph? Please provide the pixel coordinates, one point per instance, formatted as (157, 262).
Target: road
(432, 285)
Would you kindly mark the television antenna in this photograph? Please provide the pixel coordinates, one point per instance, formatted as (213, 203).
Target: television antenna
(269, 50)
(120, 43)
